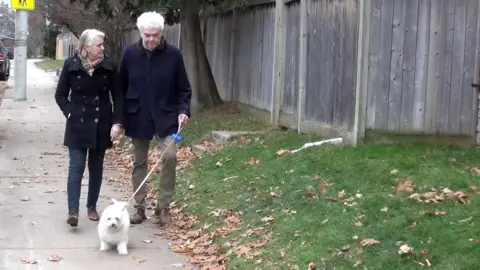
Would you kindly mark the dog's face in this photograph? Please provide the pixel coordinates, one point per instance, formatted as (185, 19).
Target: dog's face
(113, 217)
(113, 221)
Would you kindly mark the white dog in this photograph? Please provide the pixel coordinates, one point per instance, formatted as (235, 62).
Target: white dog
(113, 227)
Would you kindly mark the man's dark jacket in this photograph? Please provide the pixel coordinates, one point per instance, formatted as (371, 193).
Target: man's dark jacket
(87, 100)
(156, 90)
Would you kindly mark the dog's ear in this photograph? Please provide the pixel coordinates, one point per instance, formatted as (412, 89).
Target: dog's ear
(114, 201)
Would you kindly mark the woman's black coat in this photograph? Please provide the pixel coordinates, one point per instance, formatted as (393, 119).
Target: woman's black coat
(87, 99)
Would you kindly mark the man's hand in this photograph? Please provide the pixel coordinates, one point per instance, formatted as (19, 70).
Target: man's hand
(115, 131)
(182, 119)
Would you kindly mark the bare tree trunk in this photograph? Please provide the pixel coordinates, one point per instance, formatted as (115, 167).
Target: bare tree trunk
(198, 68)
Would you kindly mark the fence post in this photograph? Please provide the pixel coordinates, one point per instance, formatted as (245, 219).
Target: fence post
(179, 38)
(278, 62)
(363, 47)
(302, 64)
(231, 68)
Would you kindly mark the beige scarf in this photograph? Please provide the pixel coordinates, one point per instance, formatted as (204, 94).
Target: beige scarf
(90, 66)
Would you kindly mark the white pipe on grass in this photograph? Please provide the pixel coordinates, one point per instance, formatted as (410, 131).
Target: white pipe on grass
(335, 141)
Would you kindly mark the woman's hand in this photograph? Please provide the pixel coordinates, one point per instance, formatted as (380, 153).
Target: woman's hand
(116, 131)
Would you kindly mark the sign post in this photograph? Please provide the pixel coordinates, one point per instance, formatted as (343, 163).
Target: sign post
(21, 32)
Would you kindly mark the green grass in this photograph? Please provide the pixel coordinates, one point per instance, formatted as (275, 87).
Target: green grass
(302, 236)
(201, 125)
(50, 64)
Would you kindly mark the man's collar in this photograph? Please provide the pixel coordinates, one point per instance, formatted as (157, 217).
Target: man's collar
(160, 46)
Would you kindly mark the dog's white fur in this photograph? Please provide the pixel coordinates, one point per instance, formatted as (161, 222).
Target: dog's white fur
(113, 227)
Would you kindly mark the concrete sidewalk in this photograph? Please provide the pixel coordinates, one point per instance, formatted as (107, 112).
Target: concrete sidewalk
(33, 199)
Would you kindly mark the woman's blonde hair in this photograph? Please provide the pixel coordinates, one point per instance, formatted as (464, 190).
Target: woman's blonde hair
(86, 39)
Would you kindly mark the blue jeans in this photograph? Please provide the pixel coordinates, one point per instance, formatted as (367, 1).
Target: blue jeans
(75, 174)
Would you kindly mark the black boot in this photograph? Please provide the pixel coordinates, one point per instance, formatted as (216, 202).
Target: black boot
(138, 217)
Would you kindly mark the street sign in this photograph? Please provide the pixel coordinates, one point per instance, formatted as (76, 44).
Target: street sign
(23, 4)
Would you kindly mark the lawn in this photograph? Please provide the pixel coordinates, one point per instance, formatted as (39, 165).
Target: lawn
(227, 117)
(50, 64)
(335, 207)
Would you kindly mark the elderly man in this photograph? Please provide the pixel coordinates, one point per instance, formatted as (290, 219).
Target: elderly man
(157, 97)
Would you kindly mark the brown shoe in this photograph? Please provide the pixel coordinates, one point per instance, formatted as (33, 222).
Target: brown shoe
(163, 215)
(138, 217)
(93, 215)
(73, 219)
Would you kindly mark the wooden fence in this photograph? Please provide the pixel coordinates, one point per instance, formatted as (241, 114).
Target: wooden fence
(350, 67)
(422, 68)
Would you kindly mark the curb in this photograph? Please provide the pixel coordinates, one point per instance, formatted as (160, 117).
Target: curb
(3, 89)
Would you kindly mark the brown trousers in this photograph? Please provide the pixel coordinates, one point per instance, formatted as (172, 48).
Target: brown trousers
(167, 176)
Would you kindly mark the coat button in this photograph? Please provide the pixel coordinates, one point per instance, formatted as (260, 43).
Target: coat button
(96, 120)
(79, 76)
(83, 109)
(81, 119)
(96, 109)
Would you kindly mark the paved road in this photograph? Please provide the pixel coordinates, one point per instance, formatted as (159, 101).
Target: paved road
(33, 169)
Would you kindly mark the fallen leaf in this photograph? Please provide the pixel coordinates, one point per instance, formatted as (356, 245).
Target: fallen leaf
(311, 265)
(147, 241)
(54, 257)
(323, 188)
(428, 262)
(424, 252)
(282, 152)
(331, 199)
(475, 171)
(358, 263)
(25, 199)
(341, 195)
(139, 259)
(323, 222)
(267, 219)
(253, 161)
(369, 242)
(384, 209)
(435, 213)
(28, 261)
(404, 249)
(394, 171)
(406, 185)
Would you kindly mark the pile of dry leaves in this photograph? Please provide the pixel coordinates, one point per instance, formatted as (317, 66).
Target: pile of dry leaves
(433, 195)
(196, 244)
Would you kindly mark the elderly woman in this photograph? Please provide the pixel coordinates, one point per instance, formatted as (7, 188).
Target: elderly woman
(83, 94)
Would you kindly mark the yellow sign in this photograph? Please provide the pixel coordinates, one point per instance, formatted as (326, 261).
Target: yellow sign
(23, 4)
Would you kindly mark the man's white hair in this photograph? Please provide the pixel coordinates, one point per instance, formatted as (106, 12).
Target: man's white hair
(150, 19)
(86, 39)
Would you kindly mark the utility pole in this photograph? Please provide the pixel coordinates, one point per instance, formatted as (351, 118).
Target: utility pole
(21, 32)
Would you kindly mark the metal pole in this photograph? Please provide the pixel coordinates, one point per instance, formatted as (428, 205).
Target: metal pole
(20, 75)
